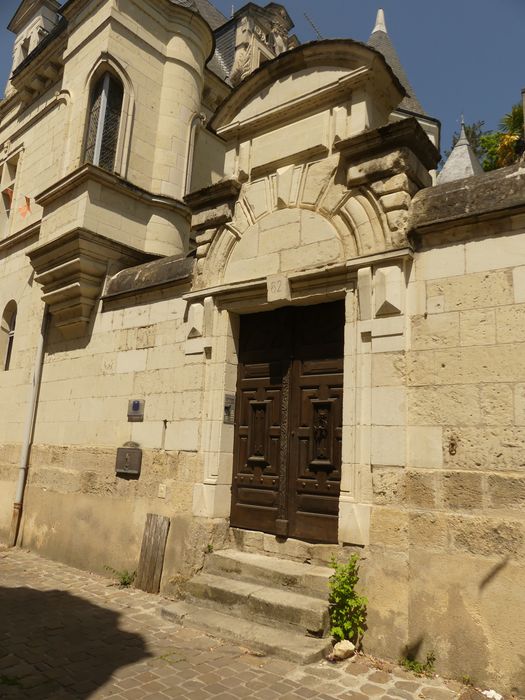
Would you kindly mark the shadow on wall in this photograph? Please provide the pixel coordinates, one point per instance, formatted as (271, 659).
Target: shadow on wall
(52, 641)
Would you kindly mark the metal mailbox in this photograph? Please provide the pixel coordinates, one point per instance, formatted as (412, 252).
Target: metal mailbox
(129, 461)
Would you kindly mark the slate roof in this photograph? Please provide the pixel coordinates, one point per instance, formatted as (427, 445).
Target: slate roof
(380, 40)
(225, 42)
(208, 11)
(461, 163)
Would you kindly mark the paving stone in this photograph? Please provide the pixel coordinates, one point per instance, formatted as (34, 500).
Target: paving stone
(371, 690)
(398, 693)
(407, 685)
(357, 669)
(380, 677)
(433, 693)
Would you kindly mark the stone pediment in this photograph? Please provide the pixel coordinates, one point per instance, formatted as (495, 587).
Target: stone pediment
(341, 65)
(27, 10)
(72, 270)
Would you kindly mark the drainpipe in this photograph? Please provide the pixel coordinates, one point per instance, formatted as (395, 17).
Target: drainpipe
(28, 433)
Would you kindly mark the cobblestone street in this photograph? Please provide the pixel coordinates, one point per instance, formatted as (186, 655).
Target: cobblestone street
(66, 634)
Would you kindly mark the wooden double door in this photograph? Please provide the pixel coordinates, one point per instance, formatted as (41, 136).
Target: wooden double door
(288, 422)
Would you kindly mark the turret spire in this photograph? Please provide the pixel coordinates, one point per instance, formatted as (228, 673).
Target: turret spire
(380, 22)
(462, 162)
(381, 41)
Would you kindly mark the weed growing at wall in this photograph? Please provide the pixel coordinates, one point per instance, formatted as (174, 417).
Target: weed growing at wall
(420, 668)
(124, 577)
(347, 608)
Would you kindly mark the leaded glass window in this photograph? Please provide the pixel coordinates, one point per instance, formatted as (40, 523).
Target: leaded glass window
(104, 122)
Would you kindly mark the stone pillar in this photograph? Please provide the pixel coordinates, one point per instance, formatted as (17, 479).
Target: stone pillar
(354, 504)
(212, 497)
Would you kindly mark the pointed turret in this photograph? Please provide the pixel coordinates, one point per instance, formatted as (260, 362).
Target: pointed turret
(380, 40)
(462, 162)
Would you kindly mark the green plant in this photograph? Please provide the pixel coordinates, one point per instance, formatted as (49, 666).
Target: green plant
(124, 577)
(420, 668)
(467, 680)
(209, 548)
(347, 608)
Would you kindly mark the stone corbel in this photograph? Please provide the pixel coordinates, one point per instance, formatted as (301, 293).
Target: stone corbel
(72, 270)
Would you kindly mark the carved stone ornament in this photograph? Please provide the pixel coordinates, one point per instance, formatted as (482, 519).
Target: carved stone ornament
(242, 65)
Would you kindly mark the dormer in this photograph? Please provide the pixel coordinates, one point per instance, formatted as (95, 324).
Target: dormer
(253, 36)
(32, 22)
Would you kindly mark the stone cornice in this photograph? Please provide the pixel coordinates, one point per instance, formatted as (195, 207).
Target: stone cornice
(71, 270)
(220, 192)
(213, 206)
(449, 206)
(406, 133)
(23, 236)
(88, 172)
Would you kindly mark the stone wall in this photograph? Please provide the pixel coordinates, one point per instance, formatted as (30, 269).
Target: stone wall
(446, 565)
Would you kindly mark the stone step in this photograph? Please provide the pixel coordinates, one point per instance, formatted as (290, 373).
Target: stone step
(292, 646)
(255, 601)
(271, 571)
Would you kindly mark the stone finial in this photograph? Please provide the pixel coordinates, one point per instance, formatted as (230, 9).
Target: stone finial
(380, 22)
(463, 138)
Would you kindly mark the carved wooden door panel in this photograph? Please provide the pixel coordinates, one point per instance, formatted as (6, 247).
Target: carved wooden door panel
(263, 367)
(316, 418)
(287, 466)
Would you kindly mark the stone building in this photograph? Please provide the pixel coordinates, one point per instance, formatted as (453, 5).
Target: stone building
(221, 252)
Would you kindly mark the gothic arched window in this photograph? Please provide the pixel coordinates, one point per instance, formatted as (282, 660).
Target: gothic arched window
(105, 110)
(7, 334)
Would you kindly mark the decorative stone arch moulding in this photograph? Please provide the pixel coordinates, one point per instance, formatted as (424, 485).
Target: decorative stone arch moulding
(308, 212)
(107, 63)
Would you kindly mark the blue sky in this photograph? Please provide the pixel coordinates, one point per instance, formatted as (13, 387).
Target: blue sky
(460, 55)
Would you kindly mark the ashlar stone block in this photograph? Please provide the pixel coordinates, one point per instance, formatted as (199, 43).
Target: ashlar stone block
(388, 446)
(388, 406)
(518, 279)
(425, 447)
(354, 522)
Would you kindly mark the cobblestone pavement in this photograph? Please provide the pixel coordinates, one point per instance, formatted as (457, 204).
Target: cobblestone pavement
(66, 634)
